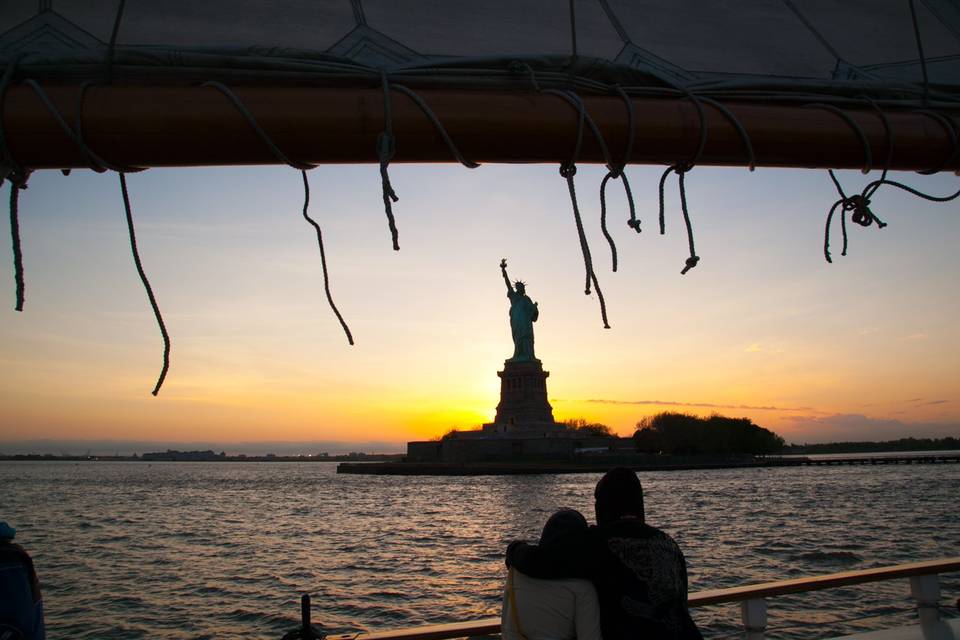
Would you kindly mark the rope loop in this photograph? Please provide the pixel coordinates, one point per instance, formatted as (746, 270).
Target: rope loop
(681, 169)
(267, 140)
(617, 171)
(952, 134)
(857, 129)
(427, 111)
(518, 66)
(862, 215)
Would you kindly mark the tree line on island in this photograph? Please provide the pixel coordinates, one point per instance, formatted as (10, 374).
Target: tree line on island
(674, 433)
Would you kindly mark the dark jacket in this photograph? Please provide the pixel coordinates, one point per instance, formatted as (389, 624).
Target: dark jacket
(639, 572)
(21, 606)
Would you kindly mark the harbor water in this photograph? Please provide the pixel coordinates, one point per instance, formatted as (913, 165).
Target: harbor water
(224, 550)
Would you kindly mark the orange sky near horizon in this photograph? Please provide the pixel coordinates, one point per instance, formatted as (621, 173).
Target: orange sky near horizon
(862, 349)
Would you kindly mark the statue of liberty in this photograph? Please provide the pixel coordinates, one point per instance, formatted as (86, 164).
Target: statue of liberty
(523, 313)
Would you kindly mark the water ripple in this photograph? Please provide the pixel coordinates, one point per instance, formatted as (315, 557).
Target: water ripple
(224, 550)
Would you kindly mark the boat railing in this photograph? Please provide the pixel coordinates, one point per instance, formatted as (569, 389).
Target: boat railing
(924, 589)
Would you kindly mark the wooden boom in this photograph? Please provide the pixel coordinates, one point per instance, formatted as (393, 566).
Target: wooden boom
(489, 626)
(159, 126)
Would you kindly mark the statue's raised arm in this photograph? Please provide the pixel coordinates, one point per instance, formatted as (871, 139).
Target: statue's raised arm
(506, 278)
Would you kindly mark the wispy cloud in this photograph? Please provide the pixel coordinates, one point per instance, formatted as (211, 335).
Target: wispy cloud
(916, 336)
(707, 405)
(754, 348)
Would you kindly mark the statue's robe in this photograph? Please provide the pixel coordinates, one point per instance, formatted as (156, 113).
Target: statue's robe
(523, 313)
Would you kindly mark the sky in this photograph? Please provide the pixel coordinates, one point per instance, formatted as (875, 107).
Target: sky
(865, 348)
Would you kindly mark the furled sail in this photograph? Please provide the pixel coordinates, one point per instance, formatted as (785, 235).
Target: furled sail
(313, 75)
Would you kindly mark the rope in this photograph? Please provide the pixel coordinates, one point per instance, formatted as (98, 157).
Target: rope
(748, 146)
(889, 133)
(94, 161)
(303, 167)
(680, 169)
(17, 177)
(111, 49)
(951, 130)
(615, 171)
(923, 58)
(826, 233)
(256, 127)
(694, 258)
(868, 156)
(323, 256)
(917, 192)
(813, 30)
(420, 102)
(5, 80)
(386, 147)
(517, 66)
(603, 222)
(573, 33)
(146, 284)
(859, 203)
(568, 171)
(17, 182)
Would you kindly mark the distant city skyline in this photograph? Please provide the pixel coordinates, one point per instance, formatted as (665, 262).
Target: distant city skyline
(863, 349)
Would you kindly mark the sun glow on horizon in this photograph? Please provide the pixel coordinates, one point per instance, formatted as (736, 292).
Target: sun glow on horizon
(861, 349)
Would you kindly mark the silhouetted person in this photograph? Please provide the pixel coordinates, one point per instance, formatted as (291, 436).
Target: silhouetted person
(551, 609)
(639, 571)
(21, 607)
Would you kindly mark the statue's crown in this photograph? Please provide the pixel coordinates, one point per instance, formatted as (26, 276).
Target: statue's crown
(520, 283)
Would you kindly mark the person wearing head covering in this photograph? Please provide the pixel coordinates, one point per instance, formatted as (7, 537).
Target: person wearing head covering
(21, 606)
(536, 609)
(639, 571)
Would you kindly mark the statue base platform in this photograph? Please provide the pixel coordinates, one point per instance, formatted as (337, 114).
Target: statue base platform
(523, 397)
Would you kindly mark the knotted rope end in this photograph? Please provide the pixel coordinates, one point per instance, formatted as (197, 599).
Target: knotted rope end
(690, 264)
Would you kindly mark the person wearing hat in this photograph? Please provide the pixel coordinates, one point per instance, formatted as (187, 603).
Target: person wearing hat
(21, 607)
(639, 571)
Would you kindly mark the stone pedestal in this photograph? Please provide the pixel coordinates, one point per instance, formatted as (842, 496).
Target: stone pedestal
(523, 396)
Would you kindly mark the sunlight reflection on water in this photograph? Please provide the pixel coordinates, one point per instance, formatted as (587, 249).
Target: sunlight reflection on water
(223, 550)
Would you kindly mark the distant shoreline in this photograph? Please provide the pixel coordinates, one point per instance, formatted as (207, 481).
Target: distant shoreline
(903, 445)
(349, 457)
